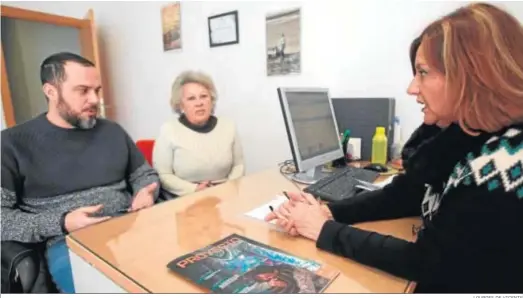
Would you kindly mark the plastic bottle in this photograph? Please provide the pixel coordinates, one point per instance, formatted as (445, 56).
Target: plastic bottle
(397, 144)
(379, 146)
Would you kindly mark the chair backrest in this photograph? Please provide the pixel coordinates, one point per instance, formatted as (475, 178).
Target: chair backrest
(146, 147)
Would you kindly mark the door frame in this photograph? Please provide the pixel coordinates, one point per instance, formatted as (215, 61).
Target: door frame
(42, 17)
(84, 25)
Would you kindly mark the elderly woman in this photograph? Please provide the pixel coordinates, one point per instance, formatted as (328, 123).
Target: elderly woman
(465, 179)
(196, 150)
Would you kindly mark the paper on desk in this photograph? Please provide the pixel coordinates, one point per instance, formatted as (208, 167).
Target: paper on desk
(383, 183)
(373, 186)
(263, 210)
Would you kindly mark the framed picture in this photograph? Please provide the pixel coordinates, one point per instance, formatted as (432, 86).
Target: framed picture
(223, 29)
(171, 27)
(283, 42)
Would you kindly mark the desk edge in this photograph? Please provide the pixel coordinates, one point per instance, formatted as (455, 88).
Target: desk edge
(109, 271)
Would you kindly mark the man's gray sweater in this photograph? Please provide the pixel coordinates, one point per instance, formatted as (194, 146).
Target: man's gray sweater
(48, 171)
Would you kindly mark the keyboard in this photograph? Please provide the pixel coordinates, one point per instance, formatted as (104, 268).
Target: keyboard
(341, 185)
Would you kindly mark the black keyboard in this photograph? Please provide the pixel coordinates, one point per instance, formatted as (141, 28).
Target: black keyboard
(341, 185)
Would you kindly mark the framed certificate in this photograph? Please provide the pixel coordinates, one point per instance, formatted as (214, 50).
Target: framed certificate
(223, 29)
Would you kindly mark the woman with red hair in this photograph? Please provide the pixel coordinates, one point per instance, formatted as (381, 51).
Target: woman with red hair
(464, 169)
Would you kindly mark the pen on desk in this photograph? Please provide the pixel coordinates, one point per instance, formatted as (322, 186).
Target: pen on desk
(277, 214)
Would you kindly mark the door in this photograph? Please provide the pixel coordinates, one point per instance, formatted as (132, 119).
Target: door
(89, 47)
(88, 43)
(7, 105)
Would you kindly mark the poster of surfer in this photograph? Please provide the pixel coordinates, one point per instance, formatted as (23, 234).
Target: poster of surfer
(283, 32)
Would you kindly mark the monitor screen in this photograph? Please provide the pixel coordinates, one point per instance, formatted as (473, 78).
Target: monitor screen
(311, 125)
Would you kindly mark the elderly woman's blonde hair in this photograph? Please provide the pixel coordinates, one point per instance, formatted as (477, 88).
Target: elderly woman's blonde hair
(187, 77)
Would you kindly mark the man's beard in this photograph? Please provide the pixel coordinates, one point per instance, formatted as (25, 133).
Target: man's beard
(75, 120)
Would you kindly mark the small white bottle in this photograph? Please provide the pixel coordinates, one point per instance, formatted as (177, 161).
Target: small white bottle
(397, 144)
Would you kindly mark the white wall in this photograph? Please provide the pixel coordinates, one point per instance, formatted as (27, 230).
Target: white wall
(355, 48)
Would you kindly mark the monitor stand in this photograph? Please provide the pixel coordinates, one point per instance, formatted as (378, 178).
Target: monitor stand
(311, 176)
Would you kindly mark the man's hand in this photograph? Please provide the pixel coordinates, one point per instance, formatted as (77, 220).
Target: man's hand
(81, 217)
(203, 185)
(144, 198)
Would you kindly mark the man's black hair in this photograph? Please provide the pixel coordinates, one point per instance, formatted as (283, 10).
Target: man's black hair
(52, 69)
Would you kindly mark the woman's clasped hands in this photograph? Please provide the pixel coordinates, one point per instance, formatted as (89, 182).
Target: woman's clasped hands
(301, 215)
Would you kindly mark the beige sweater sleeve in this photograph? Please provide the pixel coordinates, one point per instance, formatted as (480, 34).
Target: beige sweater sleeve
(163, 155)
(238, 167)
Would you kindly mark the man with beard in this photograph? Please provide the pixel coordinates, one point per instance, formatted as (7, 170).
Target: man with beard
(66, 169)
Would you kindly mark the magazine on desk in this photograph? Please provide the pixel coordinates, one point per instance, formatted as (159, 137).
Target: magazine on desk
(237, 264)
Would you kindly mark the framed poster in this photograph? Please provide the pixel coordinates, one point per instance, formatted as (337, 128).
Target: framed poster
(171, 27)
(223, 29)
(283, 43)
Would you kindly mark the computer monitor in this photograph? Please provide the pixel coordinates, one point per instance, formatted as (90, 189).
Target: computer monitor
(312, 130)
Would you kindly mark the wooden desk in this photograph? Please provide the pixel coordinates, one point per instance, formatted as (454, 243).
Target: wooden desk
(133, 250)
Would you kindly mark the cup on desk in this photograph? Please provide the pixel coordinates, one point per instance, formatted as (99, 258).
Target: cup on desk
(355, 148)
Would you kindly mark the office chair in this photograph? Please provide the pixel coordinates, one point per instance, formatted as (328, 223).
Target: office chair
(24, 268)
(146, 147)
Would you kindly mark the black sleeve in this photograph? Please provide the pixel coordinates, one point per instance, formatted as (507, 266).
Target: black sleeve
(387, 253)
(467, 244)
(400, 198)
